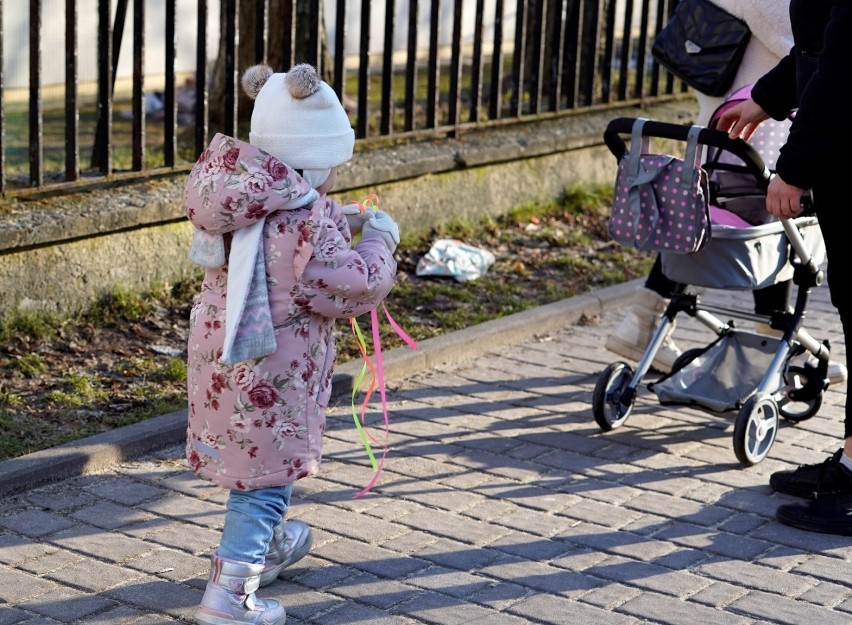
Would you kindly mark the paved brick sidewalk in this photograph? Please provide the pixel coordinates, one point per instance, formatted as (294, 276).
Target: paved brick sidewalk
(501, 503)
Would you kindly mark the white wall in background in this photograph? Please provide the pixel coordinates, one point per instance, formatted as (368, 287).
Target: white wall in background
(16, 45)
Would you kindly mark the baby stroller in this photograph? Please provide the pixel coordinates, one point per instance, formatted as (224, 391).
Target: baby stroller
(761, 378)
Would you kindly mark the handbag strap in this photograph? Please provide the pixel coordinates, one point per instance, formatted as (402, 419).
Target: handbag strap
(691, 159)
(638, 146)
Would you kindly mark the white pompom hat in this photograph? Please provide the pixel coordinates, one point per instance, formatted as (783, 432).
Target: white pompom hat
(298, 118)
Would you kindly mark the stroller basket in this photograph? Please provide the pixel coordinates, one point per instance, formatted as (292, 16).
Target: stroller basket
(722, 376)
(744, 258)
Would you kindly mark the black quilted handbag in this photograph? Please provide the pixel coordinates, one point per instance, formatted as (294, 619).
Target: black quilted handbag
(702, 45)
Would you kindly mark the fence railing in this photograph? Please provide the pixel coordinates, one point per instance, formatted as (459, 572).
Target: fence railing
(406, 68)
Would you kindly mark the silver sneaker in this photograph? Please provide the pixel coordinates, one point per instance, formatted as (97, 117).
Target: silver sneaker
(229, 597)
(291, 542)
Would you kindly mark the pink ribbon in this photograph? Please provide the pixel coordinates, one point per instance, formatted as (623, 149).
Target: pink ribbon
(378, 381)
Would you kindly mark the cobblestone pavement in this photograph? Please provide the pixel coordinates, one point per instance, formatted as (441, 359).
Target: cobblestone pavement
(501, 503)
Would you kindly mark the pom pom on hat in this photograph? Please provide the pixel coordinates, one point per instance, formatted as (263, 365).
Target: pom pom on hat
(298, 118)
(302, 81)
(254, 78)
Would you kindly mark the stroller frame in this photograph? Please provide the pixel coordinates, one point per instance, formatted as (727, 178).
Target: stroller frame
(786, 390)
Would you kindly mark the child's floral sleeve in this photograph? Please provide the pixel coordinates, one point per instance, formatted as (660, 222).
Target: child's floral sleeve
(342, 281)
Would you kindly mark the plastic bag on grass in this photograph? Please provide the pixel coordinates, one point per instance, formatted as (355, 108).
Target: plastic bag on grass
(450, 257)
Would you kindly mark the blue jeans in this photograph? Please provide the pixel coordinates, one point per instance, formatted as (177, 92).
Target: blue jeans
(249, 521)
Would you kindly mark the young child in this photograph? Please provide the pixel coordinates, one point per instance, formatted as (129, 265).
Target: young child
(281, 268)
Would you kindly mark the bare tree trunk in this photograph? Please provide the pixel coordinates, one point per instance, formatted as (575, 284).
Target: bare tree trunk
(276, 56)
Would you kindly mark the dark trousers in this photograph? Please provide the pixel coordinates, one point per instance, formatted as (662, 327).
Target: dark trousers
(831, 200)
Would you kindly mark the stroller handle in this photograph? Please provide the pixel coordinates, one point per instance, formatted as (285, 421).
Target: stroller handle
(678, 132)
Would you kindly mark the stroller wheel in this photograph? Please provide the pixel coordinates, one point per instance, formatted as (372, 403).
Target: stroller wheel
(686, 357)
(801, 398)
(612, 401)
(755, 429)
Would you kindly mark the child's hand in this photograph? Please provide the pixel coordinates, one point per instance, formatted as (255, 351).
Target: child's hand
(381, 225)
(356, 217)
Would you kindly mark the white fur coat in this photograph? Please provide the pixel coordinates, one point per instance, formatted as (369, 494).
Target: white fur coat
(771, 39)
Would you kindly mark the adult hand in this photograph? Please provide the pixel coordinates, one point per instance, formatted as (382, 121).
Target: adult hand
(381, 225)
(355, 217)
(782, 199)
(741, 120)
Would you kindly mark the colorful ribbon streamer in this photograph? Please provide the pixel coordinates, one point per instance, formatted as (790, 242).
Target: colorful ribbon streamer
(371, 202)
(377, 381)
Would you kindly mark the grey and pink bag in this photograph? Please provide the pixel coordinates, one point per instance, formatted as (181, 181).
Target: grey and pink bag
(661, 203)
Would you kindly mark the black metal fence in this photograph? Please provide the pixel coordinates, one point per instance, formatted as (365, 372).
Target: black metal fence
(463, 64)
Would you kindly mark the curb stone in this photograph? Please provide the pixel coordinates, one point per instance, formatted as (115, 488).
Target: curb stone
(102, 451)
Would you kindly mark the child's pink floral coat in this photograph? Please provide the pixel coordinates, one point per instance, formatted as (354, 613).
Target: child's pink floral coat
(260, 422)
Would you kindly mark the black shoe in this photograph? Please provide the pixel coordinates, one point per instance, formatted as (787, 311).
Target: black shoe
(826, 479)
(829, 516)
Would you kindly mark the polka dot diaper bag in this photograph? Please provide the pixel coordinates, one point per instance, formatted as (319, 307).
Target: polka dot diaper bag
(661, 203)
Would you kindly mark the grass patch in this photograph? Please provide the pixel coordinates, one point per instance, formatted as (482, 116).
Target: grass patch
(74, 376)
(77, 390)
(28, 325)
(173, 371)
(119, 305)
(29, 365)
